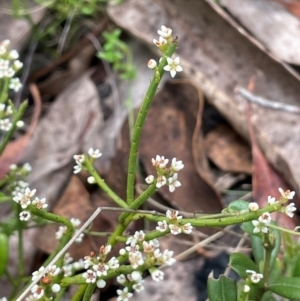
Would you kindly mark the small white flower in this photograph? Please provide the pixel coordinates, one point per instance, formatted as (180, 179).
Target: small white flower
(12, 166)
(287, 194)
(271, 201)
(37, 274)
(165, 32)
(136, 259)
(131, 240)
(167, 257)
(161, 42)
(124, 295)
(136, 276)
(246, 288)
(40, 203)
(173, 66)
(2, 108)
(90, 276)
(173, 214)
(24, 216)
(60, 232)
(87, 263)
(4, 64)
(67, 258)
(77, 168)
(91, 180)
(113, 263)
(5, 124)
(27, 167)
(20, 123)
(121, 279)
(78, 265)
(132, 248)
(255, 277)
(3, 299)
(157, 275)
(187, 228)
(152, 64)
(37, 291)
(159, 162)
(173, 182)
(150, 179)
(122, 252)
(55, 288)
(265, 218)
(138, 287)
(175, 229)
(104, 250)
(79, 158)
(13, 54)
(139, 235)
(25, 199)
(75, 222)
(148, 247)
(79, 238)
(161, 181)
(289, 209)
(15, 84)
(53, 270)
(94, 153)
(162, 226)
(101, 283)
(259, 227)
(176, 165)
(17, 65)
(253, 206)
(101, 269)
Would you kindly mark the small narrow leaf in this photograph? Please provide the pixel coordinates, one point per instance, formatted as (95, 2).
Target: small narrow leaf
(222, 289)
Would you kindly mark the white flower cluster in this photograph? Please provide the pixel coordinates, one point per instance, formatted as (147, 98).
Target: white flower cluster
(166, 176)
(24, 200)
(79, 159)
(97, 266)
(175, 228)
(38, 291)
(165, 36)
(261, 225)
(9, 65)
(62, 230)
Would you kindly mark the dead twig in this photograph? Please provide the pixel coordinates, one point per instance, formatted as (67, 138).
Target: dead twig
(267, 103)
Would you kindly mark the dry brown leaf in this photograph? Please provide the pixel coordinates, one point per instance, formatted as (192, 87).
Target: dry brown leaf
(271, 24)
(227, 150)
(168, 131)
(62, 133)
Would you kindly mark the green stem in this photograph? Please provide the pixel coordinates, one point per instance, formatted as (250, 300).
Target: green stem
(88, 164)
(141, 119)
(139, 201)
(20, 245)
(79, 293)
(267, 262)
(215, 222)
(10, 133)
(89, 292)
(284, 230)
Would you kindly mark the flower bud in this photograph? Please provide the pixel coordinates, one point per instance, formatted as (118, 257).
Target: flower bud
(152, 64)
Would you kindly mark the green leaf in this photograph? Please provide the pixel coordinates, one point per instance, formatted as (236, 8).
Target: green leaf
(240, 263)
(268, 297)
(276, 271)
(258, 250)
(222, 289)
(237, 206)
(287, 287)
(296, 272)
